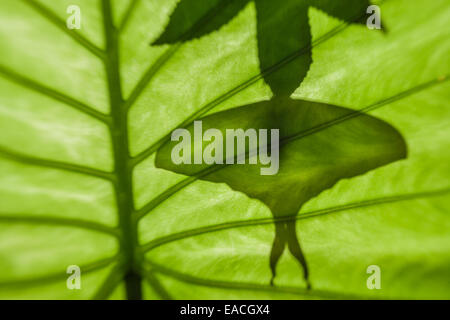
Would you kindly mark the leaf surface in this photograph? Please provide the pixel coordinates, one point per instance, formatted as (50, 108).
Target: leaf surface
(83, 114)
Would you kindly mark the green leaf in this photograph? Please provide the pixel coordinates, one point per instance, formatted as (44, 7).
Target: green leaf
(84, 112)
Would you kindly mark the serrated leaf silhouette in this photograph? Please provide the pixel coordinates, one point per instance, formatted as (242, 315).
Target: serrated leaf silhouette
(283, 30)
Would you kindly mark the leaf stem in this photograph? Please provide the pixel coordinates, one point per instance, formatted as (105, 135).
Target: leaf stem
(122, 169)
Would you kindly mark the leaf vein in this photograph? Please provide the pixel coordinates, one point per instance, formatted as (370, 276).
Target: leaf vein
(22, 158)
(110, 283)
(128, 14)
(306, 215)
(50, 16)
(49, 220)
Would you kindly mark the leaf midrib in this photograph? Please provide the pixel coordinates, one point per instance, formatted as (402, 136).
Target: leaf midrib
(123, 171)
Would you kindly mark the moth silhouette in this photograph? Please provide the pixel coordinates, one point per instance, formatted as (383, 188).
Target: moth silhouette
(320, 144)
